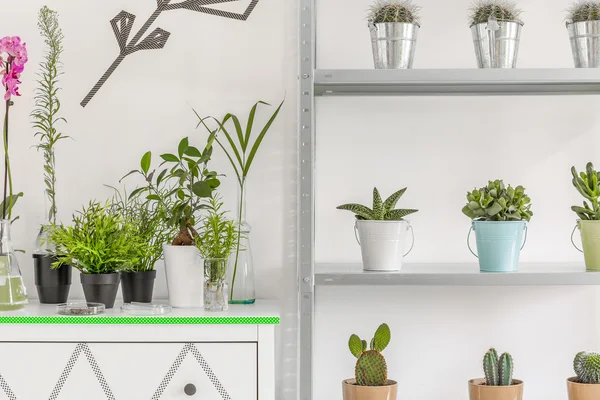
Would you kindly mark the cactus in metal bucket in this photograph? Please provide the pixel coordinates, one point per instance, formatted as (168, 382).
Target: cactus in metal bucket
(498, 370)
(481, 11)
(382, 210)
(496, 202)
(371, 368)
(581, 11)
(588, 185)
(587, 367)
(394, 11)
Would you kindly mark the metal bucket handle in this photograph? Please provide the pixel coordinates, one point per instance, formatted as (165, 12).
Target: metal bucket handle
(412, 232)
(469, 240)
(572, 241)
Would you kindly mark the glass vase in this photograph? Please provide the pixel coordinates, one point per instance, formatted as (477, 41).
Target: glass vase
(216, 290)
(13, 295)
(241, 268)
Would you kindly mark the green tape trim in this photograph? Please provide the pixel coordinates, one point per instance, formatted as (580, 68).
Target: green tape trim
(138, 320)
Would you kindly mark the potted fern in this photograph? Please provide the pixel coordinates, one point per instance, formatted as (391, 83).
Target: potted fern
(588, 185)
(586, 384)
(370, 372)
(498, 383)
(496, 30)
(394, 25)
(583, 21)
(499, 217)
(52, 284)
(381, 231)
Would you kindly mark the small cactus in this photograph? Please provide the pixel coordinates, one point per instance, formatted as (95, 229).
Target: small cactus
(581, 11)
(501, 10)
(371, 368)
(394, 11)
(498, 370)
(587, 367)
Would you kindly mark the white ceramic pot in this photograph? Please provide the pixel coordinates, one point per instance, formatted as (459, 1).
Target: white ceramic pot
(185, 276)
(382, 244)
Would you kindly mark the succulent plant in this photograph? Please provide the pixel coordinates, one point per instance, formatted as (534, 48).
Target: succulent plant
(394, 11)
(588, 185)
(495, 202)
(382, 210)
(587, 367)
(481, 11)
(581, 11)
(371, 368)
(498, 370)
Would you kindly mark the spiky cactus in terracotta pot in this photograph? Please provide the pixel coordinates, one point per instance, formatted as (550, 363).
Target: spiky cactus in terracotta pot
(370, 381)
(586, 384)
(498, 383)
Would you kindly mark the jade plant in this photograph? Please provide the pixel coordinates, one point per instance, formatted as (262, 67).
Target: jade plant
(501, 10)
(587, 367)
(588, 185)
(382, 210)
(496, 202)
(394, 11)
(581, 11)
(498, 370)
(371, 368)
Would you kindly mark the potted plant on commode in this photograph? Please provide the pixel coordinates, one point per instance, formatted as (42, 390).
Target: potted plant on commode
(586, 385)
(498, 383)
(370, 372)
(496, 30)
(588, 185)
(583, 25)
(394, 25)
(381, 232)
(499, 217)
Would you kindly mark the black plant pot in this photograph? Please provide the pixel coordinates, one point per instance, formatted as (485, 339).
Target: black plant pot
(100, 288)
(52, 284)
(137, 286)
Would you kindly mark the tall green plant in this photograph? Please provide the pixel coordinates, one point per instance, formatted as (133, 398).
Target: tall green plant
(588, 185)
(45, 114)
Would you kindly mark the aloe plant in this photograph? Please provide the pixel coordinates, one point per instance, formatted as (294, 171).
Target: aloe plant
(588, 185)
(581, 11)
(371, 368)
(394, 11)
(587, 367)
(481, 11)
(382, 210)
(498, 370)
(496, 202)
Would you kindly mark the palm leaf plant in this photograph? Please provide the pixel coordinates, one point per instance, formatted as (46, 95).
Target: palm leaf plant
(382, 210)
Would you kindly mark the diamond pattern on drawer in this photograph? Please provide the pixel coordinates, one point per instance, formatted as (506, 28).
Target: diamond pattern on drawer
(125, 320)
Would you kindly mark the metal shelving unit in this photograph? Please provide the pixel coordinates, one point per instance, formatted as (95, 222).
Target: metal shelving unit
(314, 82)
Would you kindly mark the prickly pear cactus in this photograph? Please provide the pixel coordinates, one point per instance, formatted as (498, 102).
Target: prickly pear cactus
(498, 370)
(582, 11)
(587, 367)
(394, 11)
(501, 10)
(371, 368)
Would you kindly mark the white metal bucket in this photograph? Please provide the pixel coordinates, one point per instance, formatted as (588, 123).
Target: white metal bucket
(496, 43)
(585, 43)
(185, 276)
(382, 243)
(394, 44)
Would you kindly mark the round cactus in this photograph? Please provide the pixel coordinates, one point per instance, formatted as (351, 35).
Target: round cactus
(501, 10)
(587, 367)
(394, 11)
(584, 11)
(371, 369)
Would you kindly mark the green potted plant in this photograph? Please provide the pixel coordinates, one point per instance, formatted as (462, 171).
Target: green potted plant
(100, 243)
(381, 231)
(498, 383)
(586, 385)
(370, 372)
(583, 20)
(499, 215)
(588, 185)
(180, 190)
(52, 284)
(496, 30)
(394, 26)
(217, 238)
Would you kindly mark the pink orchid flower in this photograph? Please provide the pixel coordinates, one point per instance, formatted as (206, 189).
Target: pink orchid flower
(13, 65)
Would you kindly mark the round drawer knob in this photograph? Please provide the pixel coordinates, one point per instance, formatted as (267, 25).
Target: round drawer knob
(189, 389)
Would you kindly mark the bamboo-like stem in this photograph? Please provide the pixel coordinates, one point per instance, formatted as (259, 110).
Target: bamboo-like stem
(7, 174)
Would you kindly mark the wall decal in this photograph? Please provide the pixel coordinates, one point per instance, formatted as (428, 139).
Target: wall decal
(123, 23)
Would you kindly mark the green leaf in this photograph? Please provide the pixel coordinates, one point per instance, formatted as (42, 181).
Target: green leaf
(364, 345)
(238, 130)
(202, 189)
(355, 346)
(145, 163)
(358, 209)
(259, 140)
(390, 202)
(398, 215)
(382, 337)
(153, 197)
(192, 152)
(170, 157)
(494, 209)
(378, 211)
(183, 145)
(251, 121)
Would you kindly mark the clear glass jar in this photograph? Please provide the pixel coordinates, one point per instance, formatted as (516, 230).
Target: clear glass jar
(216, 290)
(13, 295)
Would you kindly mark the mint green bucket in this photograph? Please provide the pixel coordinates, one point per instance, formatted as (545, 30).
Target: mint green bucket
(499, 244)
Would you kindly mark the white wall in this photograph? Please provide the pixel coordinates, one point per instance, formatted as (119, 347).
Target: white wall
(440, 147)
(217, 65)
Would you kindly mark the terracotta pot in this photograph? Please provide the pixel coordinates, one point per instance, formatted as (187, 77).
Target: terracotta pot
(354, 392)
(479, 391)
(582, 391)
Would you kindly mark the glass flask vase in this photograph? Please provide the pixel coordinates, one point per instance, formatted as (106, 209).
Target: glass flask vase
(13, 295)
(216, 291)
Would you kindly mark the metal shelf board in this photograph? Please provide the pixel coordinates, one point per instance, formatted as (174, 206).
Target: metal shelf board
(535, 274)
(358, 82)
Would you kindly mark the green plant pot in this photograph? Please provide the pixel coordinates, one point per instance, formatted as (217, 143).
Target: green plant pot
(590, 239)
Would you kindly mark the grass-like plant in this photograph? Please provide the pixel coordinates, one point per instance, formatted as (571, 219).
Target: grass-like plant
(45, 116)
(394, 11)
(496, 202)
(588, 185)
(503, 10)
(382, 210)
(581, 11)
(100, 241)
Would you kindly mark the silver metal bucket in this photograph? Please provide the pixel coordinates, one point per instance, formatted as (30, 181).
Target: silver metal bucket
(394, 44)
(496, 48)
(585, 43)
